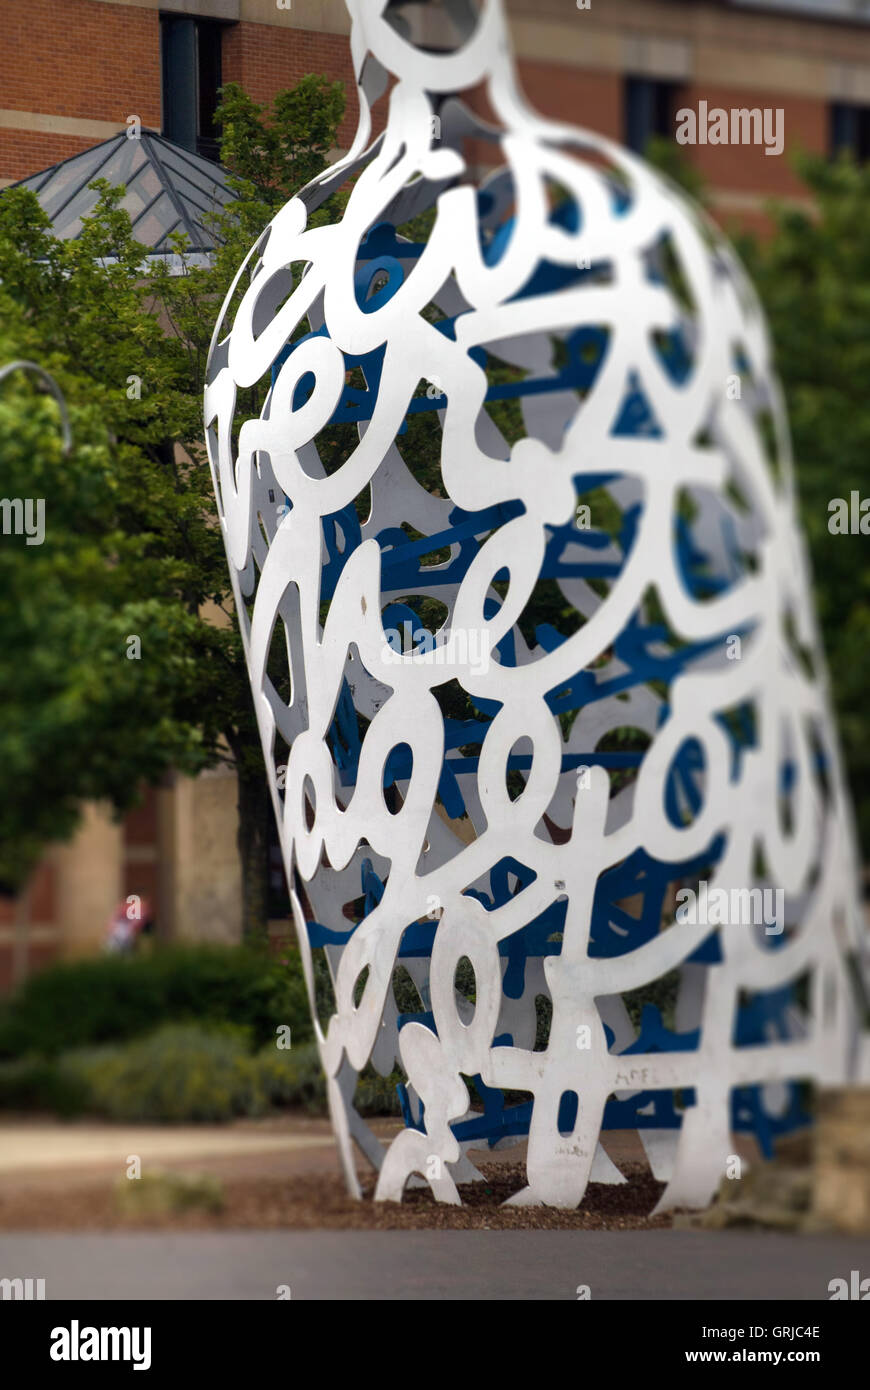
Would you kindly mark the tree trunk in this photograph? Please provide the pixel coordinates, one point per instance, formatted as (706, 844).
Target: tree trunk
(255, 814)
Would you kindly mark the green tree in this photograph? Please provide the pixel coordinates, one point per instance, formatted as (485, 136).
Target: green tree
(80, 719)
(813, 276)
(132, 546)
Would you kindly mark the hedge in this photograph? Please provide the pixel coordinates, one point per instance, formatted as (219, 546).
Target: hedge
(109, 999)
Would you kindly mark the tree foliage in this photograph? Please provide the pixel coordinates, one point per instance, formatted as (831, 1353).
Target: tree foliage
(132, 544)
(812, 273)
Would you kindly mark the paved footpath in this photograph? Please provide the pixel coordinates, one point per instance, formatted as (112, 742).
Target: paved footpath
(37, 1147)
(406, 1265)
(388, 1265)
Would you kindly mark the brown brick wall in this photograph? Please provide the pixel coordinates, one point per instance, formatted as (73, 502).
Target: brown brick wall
(266, 59)
(592, 99)
(143, 880)
(82, 58)
(25, 152)
(40, 898)
(38, 908)
(6, 969)
(140, 824)
(746, 168)
(101, 61)
(40, 956)
(43, 897)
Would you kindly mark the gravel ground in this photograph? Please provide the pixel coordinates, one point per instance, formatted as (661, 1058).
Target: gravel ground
(319, 1201)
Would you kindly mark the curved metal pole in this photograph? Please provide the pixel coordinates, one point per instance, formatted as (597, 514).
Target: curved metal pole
(49, 381)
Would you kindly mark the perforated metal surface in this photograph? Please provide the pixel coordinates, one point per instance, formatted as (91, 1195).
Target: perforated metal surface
(572, 331)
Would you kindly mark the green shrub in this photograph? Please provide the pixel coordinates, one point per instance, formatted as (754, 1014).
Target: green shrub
(293, 1077)
(376, 1094)
(183, 1035)
(179, 1073)
(162, 1193)
(35, 1083)
(183, 1073)
(109, 998)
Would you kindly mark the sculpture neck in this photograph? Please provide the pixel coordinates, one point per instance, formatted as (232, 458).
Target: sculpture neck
(437, 48)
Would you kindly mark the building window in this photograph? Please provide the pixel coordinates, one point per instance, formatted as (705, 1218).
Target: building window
(191, 60)
(649, 108)
(850, 129)
(279, 905)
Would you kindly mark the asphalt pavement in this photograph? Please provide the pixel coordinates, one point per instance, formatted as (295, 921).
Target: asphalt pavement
(411, 1265)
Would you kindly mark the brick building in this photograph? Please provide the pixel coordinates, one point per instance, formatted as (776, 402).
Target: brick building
(71, 75)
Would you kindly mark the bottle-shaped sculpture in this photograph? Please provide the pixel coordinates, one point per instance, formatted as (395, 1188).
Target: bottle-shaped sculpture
(514, 551)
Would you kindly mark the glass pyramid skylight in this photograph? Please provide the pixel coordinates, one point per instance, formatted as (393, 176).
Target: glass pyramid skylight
(169, 189)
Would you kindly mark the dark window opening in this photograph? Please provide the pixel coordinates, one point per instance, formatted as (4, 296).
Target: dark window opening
(208, 38)
(191, 64)
(850, 130)
(278, 895)
(649, 108)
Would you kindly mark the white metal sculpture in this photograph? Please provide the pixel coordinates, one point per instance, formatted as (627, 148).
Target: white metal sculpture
(620, 708)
